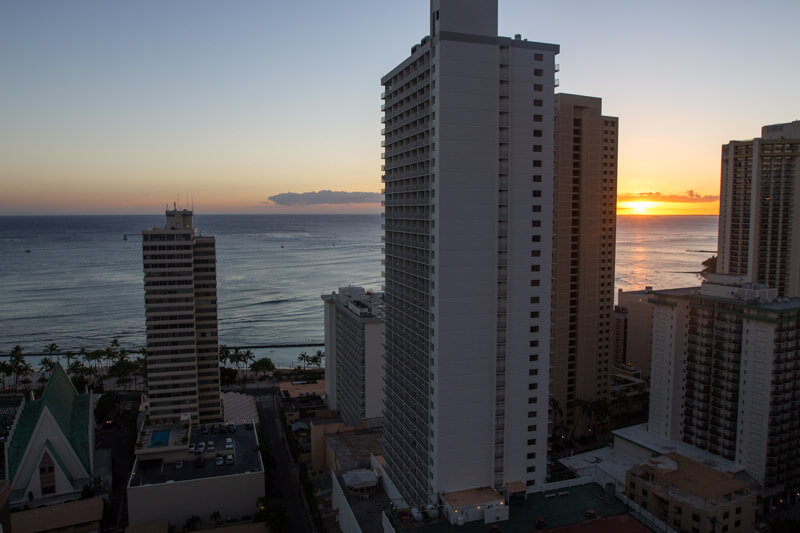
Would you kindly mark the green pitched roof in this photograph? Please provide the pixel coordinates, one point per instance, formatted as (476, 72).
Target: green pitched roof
(70, 411)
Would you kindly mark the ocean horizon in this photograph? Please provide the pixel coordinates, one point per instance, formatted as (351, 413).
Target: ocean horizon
(76, 280)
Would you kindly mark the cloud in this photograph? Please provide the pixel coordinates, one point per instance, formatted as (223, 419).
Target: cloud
(323, 197)
(690, 197)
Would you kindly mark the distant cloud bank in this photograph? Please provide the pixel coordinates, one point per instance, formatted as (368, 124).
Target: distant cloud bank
(690, 196)
(323, 197)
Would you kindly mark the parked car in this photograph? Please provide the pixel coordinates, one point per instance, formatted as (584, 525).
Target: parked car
(201, 447)
(210, 446)
(229, 459)
(192, 447)
(228, 443)
(232, 428)
(220, 460)
(178, 465)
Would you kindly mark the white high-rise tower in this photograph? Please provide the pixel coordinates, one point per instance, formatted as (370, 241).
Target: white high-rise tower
(468, 243)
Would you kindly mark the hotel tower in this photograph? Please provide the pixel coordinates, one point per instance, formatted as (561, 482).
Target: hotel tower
(468, 174)
(583, 258)
(180, 291)
(760, 194)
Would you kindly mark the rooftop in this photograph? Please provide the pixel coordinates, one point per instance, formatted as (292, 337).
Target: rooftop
(352, 449)
(167, 470)
(297, 389)
(696, 478)
(471, 497)
(640, 436)
(58, 517)
(565, 507)
(70, 410)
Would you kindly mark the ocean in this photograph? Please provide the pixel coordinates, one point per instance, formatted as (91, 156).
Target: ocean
(77, 280)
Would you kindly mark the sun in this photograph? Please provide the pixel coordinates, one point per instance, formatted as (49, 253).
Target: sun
(637, 207)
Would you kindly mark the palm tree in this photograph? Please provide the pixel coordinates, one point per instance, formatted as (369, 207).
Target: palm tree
(46, 364)
(304, 358)
(52, 349)
(69, 355)
(17, 362)
(224, 354)
(247, 357)
(316, 360)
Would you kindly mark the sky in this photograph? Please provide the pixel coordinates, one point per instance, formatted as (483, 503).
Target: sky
(123, 107)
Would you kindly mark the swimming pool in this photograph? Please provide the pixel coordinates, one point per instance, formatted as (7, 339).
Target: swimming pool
(159, 438)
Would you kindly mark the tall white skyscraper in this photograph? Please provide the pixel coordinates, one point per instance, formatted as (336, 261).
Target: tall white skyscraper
(180, 291)
(759, 208)
(468, 175)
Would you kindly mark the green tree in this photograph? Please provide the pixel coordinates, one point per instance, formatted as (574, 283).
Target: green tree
(46, 364)
(52, 349)
(304, 358)
(224, 354)
(316, 359)
(262, 366)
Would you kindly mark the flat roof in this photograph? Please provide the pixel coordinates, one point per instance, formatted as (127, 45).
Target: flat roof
(693, 477)
(568, 509)
(353, 449)
(368, 511)
(471, 497)
(245, 452)
(303, 388)
(639, 435)
(59, 516)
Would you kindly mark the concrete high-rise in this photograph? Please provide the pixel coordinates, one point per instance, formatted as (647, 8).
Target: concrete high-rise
(354, 355)
(759, 211)
(585, 221)
(725, 376)
(180, 285)
(468, 180)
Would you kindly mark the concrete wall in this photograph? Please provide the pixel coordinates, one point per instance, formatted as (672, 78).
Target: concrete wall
(233, 496)
(758, 344)
(347, 520)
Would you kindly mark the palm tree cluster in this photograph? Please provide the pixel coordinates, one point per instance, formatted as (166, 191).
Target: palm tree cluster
(244, 358)
(313, 361)
(84, 367)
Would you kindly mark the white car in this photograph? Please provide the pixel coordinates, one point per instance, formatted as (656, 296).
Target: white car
(201, 447)
(210, 446)
(192, 447)
(220, 460)
(229, 459)
(229, 443)
(178, 465)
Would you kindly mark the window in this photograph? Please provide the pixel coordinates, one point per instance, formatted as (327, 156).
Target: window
(536, 57)
(538, 103)
(532, 358)
(537, 147)
(538, 87)
(537, 164)
(696, 517)
(537, 178)
(47, 475)
(538, 72)
(531, 469)
(538, 118)
(537, 194)
(537, 133)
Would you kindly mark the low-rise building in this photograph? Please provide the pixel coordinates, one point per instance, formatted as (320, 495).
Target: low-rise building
(214, 473)
(633, 324)
(690, 496)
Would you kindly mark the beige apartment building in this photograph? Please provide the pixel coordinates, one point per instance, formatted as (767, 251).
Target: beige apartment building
(180, 285)
(691, 496)
(585, 195)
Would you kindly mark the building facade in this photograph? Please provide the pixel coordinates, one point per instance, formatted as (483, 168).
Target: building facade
(468, 175)
(759, 199)
(584, 238)
(634, 329)
(725, 369)
(180, 286)
(354, 355)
